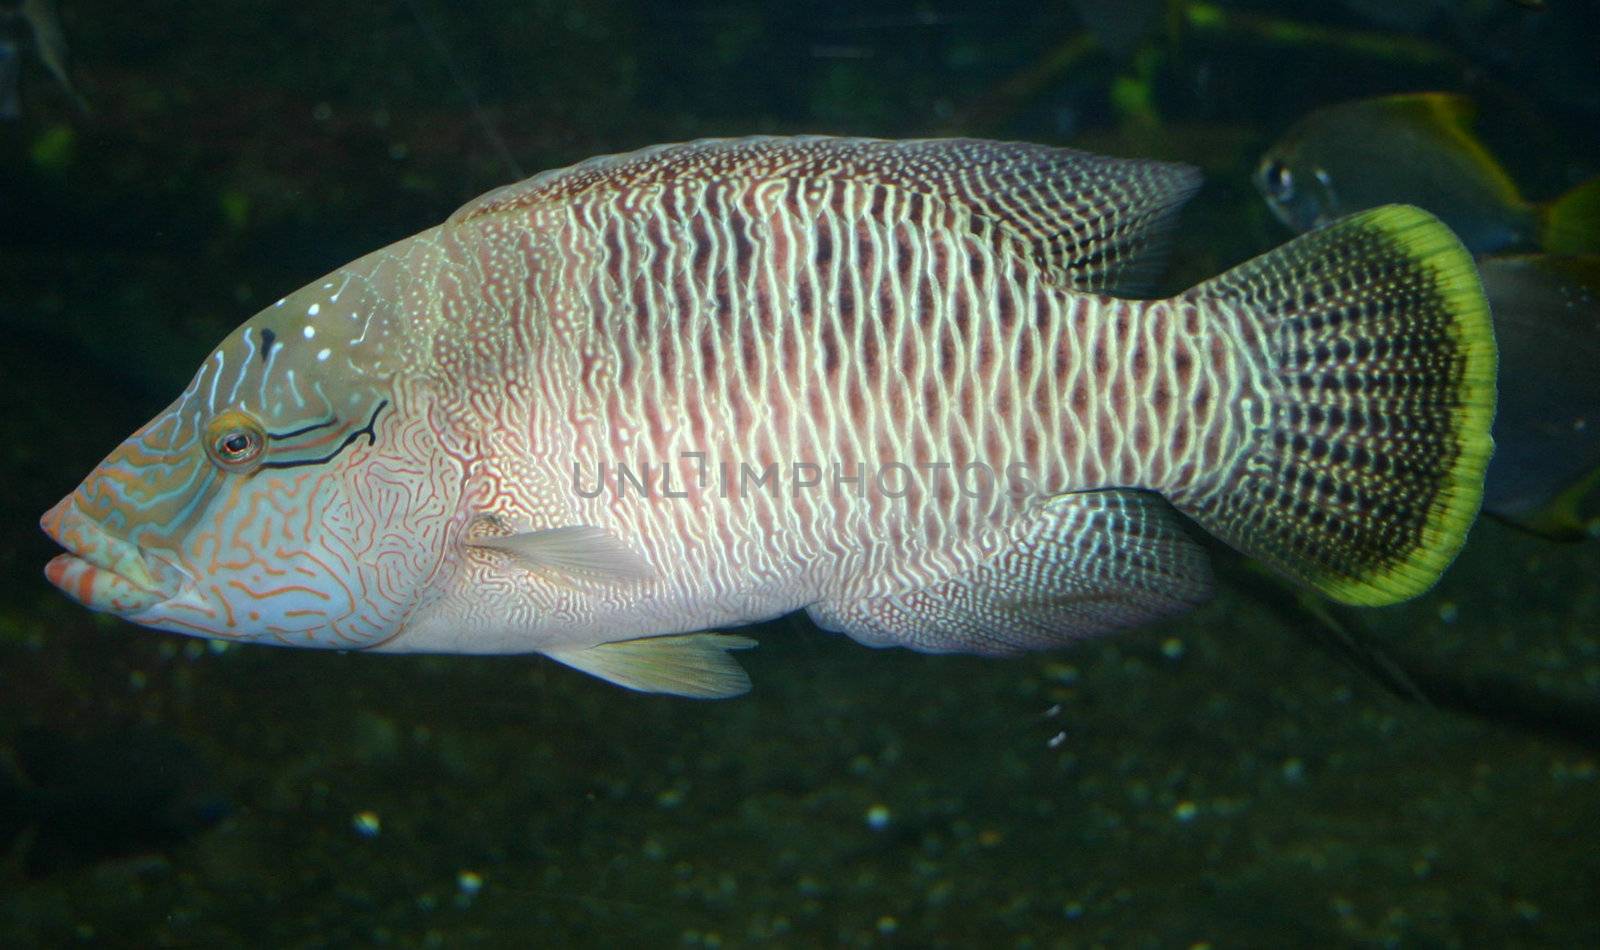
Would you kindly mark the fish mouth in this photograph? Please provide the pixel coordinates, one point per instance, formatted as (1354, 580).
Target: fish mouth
(102, 571)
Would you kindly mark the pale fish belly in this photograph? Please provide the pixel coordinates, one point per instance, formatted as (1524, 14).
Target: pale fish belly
(791, 391)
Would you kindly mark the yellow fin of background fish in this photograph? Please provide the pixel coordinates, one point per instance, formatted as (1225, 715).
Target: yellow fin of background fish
(1451, 117)
(1565, 518)
(696, 665)
(576, 550)
(1568, 225)
(1571, 223)
(1439, 110)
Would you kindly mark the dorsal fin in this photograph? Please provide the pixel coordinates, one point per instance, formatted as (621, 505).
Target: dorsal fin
(1089, 221)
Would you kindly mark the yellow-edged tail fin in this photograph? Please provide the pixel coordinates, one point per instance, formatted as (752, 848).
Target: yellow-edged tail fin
(1571, 223)
(1366, 469)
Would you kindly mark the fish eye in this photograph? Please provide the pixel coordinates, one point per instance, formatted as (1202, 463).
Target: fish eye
(1279, 180)
(235, 441)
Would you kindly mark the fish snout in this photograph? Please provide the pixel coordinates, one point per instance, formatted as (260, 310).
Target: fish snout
(100, 570)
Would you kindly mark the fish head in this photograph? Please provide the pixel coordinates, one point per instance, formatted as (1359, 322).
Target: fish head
(1300, 193)
(289, 495)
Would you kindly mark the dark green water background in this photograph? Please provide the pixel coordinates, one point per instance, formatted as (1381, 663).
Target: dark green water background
(1223, 779)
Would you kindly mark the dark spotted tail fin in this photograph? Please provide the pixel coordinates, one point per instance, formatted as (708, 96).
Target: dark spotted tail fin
(1380, 359)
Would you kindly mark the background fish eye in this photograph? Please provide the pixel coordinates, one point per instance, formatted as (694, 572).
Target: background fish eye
(1279, 180)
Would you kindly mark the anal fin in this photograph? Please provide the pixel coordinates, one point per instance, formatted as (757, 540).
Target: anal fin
(1085, 564)
(696, 665)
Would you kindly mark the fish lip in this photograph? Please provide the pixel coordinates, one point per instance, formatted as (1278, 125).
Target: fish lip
(87, 545)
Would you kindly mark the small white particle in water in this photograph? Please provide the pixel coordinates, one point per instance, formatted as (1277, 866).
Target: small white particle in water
(281, 301)
(323, 354)
(314, 309)
(366, 824)
(328, 285)
(310, 332)
(878, 817)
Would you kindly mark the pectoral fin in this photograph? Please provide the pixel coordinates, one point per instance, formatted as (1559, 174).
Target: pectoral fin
(574, 550)
(692, 664)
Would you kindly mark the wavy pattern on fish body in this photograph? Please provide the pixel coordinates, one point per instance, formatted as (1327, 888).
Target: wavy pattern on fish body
(772, 320)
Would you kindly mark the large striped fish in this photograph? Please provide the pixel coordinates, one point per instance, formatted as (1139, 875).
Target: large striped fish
(603, 411)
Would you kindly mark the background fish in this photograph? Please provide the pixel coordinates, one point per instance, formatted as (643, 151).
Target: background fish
(1547, 429)
(1417, 148)
(49, 43)
(400, 456)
